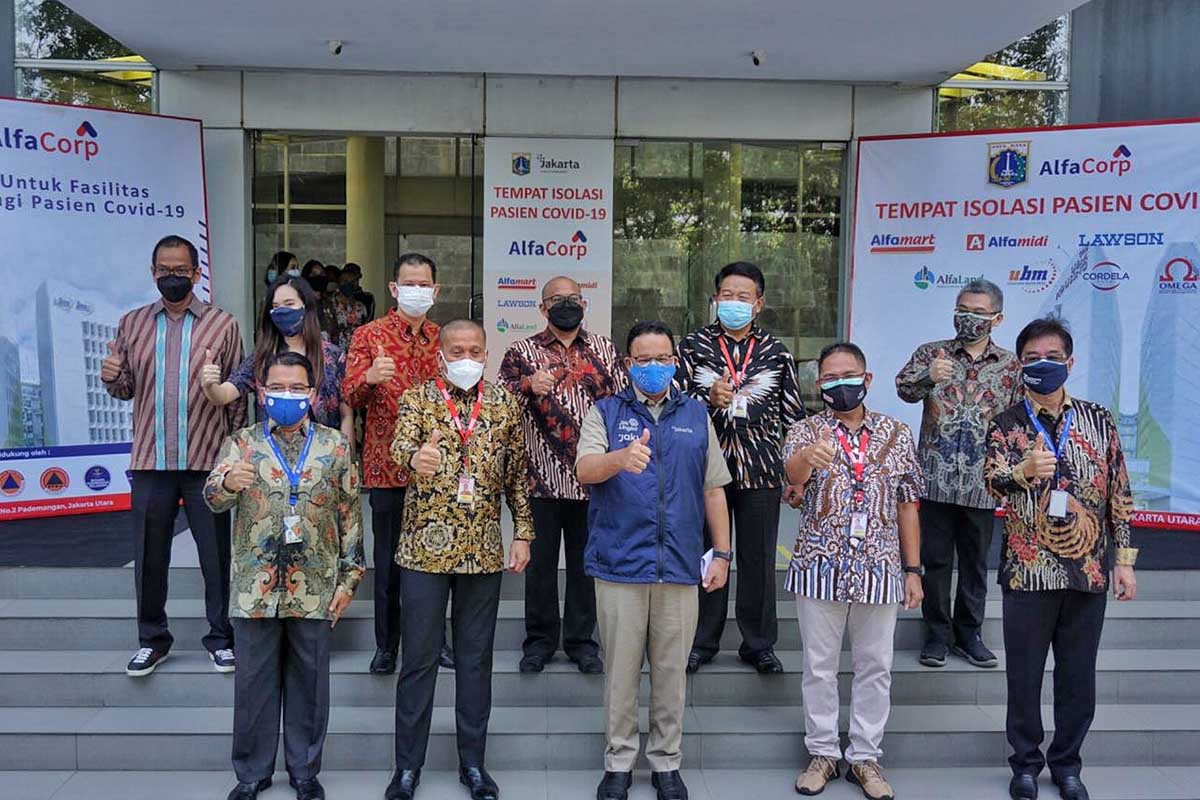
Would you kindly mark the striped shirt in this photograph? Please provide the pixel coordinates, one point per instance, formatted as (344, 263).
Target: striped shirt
(827, 563)
(584, 373)
(174, 426)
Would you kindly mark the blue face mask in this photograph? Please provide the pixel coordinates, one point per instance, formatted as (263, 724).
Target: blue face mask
(652, 378)
(734, 314)
(288, 321)
(1044, 376)
(286, 408)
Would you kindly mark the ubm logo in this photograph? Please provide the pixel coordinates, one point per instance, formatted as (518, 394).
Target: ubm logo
(83, 144)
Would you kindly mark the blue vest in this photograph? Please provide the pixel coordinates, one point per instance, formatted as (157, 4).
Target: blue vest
(649, 528)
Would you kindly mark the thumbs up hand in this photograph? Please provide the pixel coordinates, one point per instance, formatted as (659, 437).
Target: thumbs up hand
(210, 373)
(111, 366)
(1040, 464)
(721, 393)
(428, 459)
(240, 476)
(941, 369)
(542, 382)
(820, 454)
(382, 369)
(637, 454)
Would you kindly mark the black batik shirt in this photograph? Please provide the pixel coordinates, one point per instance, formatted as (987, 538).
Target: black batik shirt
(753, 445)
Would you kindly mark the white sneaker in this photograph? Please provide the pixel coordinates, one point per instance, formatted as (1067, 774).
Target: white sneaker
(223, 660)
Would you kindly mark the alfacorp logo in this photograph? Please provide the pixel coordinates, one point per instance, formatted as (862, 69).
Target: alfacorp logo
(83, 144)
(1118, 165)
(1179, 276)
(576, 248)
(1106, 275)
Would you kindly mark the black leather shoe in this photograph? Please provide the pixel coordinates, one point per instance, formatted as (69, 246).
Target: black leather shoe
(404, 785)
(614, 786)
(1071, 788)
(1023, 787)
(696, 660)
(308, 789)
(766, 662)
(933, 654)
(589, 664)
(384, 662)
(479, 782)
(446, 657)
(669, 785)
(249, 791)
(531, 663)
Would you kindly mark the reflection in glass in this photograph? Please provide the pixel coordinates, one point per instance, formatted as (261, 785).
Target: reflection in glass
(104, 90)
(984, 109)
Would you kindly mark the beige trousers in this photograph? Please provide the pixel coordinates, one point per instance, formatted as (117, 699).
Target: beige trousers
(638, 620)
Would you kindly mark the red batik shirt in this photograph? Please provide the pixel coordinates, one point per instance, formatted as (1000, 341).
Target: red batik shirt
(415, 353)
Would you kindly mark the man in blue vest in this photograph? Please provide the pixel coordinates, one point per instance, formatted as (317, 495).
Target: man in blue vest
(654, 467)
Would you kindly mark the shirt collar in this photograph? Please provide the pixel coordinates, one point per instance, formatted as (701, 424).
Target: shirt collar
(546, 338)
(716, 329)
(279, 436)
(197, 307)
(991, 351)
(1038, 408)
(869, 421)
(646, 401)
(427, 328)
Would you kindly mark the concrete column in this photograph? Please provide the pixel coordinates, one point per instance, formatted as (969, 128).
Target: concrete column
(8, 49)
(365, 200)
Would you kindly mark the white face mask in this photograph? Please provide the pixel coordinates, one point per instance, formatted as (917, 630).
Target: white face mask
(464, 373)
(414, 300)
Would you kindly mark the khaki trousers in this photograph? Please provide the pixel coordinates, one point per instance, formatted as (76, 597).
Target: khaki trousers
(638, 620)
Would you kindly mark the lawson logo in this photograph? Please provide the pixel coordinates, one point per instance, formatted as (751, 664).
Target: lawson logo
(82, 144)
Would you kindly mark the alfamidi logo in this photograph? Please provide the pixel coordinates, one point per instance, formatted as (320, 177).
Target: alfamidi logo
(83, 144)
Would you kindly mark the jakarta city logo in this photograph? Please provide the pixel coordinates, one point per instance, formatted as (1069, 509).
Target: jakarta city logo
(521, 163)
(1008, 163)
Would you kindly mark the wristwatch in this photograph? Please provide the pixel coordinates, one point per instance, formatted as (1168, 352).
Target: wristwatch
(917, 570)
(725, 554)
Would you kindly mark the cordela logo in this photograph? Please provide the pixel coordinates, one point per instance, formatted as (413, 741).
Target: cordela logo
(576, 248)
(1106, 276)
(82, 144)
(1117, 165)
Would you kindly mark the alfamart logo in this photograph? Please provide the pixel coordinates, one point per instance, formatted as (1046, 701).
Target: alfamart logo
(576, 248)
(925, 278)
(508, 282)
(83, 144)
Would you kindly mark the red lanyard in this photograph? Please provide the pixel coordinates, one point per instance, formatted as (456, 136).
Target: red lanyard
(737, 374)
(463, 433)
(858, 458)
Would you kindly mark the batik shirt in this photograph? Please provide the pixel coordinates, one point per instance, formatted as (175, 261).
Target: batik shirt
(751, 445)
(584, 373)
(954, 420)
(1041, 552)
(415, 352)
(269, 577)
(342, 317)
(440, 534)
(827, 563)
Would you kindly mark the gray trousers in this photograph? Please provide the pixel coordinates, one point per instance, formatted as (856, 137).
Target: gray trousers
(280, 663)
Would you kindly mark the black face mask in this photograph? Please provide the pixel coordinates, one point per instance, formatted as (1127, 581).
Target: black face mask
(174, 288)
(844, 396)
(566, 316)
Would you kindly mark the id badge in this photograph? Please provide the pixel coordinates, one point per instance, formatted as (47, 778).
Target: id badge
(858, 525)
(466, 489)
(1058, 504)
(293, 533)
(741, 407)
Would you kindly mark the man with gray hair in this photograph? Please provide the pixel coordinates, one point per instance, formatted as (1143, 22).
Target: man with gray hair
(963, 383)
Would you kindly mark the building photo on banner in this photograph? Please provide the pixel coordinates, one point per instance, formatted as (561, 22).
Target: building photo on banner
(1096, 224)
(547, 212)
(84, 193)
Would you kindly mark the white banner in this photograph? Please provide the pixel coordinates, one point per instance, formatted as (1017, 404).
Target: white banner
(1097, 224)
(84, 195)
(548, 212)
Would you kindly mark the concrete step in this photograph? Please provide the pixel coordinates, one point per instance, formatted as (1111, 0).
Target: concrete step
(89, 624)
(116, 583)
(187, 679)
(954, 783)
(558, 737)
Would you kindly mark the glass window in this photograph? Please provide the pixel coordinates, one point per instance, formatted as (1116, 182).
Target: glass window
(983, 109)
(48, 29)
(1043, 55)
(85, 88)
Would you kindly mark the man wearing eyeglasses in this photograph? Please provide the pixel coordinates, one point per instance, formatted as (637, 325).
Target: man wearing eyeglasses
(156, 361)
(963, 382)
(1057, 462)
(556, 376)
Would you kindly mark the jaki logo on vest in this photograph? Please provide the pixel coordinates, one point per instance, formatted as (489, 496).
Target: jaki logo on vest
(82, 144)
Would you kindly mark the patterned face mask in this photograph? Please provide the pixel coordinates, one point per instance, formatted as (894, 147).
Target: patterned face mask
(972, 327)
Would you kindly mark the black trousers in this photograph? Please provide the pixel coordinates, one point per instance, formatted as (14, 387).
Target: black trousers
(555, 521)
(946, 530)
(155, 497)
(755, 517)
(1071, 622)
(475, 599)
(387, 513)
(282, 664)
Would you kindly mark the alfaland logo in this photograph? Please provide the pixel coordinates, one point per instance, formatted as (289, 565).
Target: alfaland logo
(83, 144)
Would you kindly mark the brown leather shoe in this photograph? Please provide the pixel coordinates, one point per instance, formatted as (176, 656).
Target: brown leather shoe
(820, 771)
(869, 777)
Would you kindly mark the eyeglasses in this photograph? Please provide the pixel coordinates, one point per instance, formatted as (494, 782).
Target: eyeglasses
(176, 272)
(295, 388)
(662, 361)
(553, 300)
(1033, 358)
(827, 378)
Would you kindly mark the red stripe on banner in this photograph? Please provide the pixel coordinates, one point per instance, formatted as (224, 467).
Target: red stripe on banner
(1166, 520)
(901, 249)
(32, 509)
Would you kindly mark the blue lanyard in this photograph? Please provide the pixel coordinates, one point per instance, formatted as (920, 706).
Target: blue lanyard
(1041, 429)
(293, 475)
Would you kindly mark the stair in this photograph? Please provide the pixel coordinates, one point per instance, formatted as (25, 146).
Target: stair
(66, 704)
